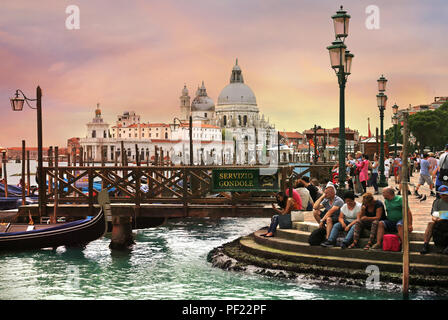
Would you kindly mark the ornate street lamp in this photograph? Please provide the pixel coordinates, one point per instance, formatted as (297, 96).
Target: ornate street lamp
(341, 62)
(395, 123)
(17, 105)
(381, 101)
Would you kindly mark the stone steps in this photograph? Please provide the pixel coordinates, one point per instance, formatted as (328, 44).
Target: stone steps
(326, 258)
(302, 236)
(311, 226)
(373, 255)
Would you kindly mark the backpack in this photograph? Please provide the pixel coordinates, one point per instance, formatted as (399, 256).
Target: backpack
(317, 237)
(443, 173)
(440, 233)
(391, 242)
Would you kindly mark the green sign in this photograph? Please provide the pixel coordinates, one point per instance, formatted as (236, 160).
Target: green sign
(244, 180)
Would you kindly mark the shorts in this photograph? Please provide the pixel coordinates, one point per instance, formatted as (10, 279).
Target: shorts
(425, 178)
(334, 216)
(391, 226)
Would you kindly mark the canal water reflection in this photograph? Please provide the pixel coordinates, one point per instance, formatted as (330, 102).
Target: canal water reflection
(168, 262)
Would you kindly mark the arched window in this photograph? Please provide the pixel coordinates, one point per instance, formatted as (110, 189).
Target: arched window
(225, 120)
(93, 133)
(166, 135)
(245, 120)
(239, 120)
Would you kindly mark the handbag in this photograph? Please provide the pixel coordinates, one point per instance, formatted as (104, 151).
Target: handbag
(284, 221)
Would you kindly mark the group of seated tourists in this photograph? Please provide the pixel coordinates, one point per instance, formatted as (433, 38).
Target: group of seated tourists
(347, 215)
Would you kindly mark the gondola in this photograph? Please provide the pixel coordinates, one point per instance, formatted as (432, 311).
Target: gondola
(15, 236)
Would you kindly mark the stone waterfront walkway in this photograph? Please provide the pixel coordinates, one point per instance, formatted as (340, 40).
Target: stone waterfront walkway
(420, 210)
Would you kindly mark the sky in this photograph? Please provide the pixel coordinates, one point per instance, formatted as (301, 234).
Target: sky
(136, 55)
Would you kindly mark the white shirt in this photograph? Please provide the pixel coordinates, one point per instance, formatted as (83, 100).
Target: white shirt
(305, 196)
(350, 215)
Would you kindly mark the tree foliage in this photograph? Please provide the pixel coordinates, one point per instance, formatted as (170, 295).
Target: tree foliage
(430, 128)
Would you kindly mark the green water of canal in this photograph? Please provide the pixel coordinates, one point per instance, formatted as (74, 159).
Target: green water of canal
(168, 262)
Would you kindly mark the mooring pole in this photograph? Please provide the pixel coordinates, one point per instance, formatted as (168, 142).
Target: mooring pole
(56, 189)
(22, 182)
(404, 192)
(5, 175)
(28, 178)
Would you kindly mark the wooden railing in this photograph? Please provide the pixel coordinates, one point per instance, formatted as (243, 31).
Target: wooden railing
(161, 184)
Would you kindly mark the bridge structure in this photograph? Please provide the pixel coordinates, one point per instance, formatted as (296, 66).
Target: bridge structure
(145, 196)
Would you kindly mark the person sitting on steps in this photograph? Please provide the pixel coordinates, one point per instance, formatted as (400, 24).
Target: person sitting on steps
(394, 217)
(331, 205)
(287, 205)
(437, 206)
(371, 213)
(348, 216)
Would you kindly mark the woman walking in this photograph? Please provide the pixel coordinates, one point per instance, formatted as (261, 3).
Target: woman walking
(363, 168)
(374, 176)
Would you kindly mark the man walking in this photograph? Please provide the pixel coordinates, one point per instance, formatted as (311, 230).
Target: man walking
(425, 177)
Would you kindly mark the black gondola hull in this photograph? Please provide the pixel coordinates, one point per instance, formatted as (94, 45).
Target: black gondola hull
(72, 235)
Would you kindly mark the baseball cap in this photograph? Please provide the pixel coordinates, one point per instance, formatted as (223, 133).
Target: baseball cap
(443, 189)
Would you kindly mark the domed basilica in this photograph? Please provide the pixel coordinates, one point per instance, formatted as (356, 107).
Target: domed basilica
(236, 112)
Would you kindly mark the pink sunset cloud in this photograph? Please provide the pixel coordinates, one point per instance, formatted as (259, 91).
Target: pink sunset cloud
(138, 55)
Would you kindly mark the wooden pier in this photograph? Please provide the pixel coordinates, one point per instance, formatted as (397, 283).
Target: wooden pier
(147, 195)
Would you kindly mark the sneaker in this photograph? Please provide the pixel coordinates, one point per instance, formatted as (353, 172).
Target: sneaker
(343, 245)
(425, 249)
(328, 244)
(416, 193)
(445, 251)
(432, 194)
(423, 198)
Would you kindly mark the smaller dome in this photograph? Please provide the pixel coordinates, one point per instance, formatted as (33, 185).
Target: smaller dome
(202, 102)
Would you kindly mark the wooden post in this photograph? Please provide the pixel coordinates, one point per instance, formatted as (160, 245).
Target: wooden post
(56, 189)
(22, 181)
(81, 157)
(278, 148)
(28, 175)
(161, 157)
(404, 192)
(5, 174)
(74, 157)
(191, 139)
(50, 164)
(137, 156)
(90, 174)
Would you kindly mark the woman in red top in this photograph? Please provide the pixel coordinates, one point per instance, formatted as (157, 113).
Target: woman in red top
(363, 168)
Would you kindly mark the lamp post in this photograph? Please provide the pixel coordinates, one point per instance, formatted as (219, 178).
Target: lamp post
(395, 123)
(17, 105)
(381, 101)
(341, 62)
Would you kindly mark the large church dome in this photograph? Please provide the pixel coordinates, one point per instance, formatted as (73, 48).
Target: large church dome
(237, 92)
